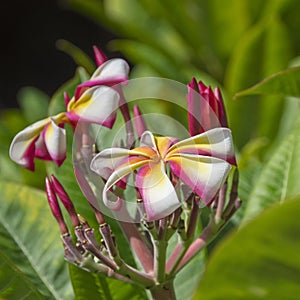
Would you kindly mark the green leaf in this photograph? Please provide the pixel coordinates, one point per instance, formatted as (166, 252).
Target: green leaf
(139, 52)
(186, 284)
(91, 8)
(285, 83)
(220, 21)
(260, 261)
(265, 49)
(278, 179)
(14, 285)
(31, 253)
(80, 58)
(95, 286)
(33, 103)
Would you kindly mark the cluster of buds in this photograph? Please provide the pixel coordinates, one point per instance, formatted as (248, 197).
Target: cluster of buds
(172, 178)
(86, 252)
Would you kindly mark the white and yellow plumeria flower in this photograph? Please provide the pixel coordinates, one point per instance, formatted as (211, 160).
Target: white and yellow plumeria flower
(46, 139)
(202, 162)
(109, 73)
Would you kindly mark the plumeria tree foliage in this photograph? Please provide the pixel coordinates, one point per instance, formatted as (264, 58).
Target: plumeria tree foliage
(160, 189)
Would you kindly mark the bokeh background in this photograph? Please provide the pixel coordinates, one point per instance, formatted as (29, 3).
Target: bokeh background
(29, 32)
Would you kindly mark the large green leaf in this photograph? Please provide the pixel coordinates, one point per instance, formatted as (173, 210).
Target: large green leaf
(31, 253)
(95, 286)
(220, 21)
(285, 83)
(138, 52)
(33, 103)
(279, 178)
(260, 261)
(264, 49)
(185, 284)
(13, 284)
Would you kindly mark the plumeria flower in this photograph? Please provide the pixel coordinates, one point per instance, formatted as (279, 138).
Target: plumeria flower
(46, 139)
(94, 102)
(206, 108)
(109, 72)
(202, 162)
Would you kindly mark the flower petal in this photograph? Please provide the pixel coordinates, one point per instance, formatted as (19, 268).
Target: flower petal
(55, 141)
(158, 193)
(159, 144)
(216, 142)
(22, 148)
(96, 105)
(100, 57)
(41, 151)
(113, 68)
(148, 140)
(105, 162)
(204, 175)
(132, 164)
(115, 164)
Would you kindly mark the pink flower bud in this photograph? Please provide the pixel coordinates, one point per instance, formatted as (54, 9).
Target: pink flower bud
(54, 206)
(139, 121)
(205, 108)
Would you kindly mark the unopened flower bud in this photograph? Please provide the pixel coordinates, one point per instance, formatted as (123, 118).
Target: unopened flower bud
(54, 206)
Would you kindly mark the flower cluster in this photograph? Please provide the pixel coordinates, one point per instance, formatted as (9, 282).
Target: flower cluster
(169, 175)
(95, 101)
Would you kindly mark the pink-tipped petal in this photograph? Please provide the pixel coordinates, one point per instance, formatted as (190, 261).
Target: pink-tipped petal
(122, 171)
(113, 68)
(96, 105)
(55, 141)
(41, 151)
(216, 142)
(105, 162)
(115, 164)
(67, 99)
(111, 81)
(100, 57)
(22, 148)
(158, 193)
(204, 175)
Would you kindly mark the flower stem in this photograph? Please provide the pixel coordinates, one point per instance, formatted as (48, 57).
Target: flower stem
(160, 248)
(207, 235)
(138, 245)
(164, 291)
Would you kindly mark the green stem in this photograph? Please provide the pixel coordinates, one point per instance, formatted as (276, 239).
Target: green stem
(160, 249)
(164, 291)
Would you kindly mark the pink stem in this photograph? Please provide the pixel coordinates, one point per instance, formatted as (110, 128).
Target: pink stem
(196, 246)
(138, 245)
